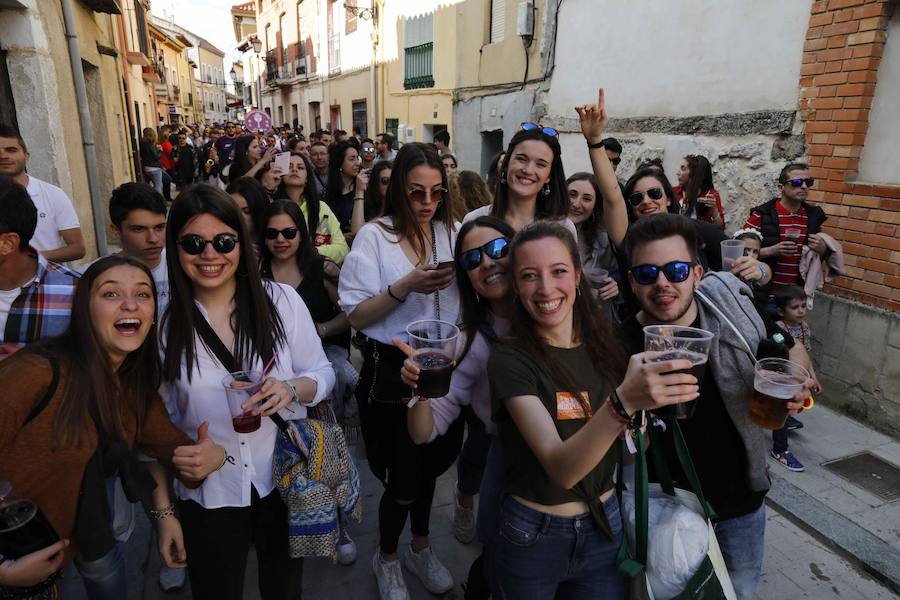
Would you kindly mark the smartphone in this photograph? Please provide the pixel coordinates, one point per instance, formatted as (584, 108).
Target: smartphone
(447, 264)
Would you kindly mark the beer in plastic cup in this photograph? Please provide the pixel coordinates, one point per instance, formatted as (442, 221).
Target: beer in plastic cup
(775, 382)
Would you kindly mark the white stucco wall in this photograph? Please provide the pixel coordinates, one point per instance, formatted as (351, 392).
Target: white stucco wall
(880, 162)
(679, 57)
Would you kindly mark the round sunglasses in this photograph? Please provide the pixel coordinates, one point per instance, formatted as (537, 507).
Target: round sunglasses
(675, 271)
(419, 196)
(195, 244)
(495, 249)
(287, 233)
(654, 193)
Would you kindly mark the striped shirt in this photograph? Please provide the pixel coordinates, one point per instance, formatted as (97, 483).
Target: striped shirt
(41, 309)
(791, 228)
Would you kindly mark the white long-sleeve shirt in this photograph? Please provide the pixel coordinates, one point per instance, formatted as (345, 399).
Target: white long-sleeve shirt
(469, 385)
(190, 403)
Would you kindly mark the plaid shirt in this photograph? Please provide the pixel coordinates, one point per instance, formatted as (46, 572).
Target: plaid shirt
(42, 308)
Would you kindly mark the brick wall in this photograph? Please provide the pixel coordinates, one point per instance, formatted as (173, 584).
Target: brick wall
(843, 49)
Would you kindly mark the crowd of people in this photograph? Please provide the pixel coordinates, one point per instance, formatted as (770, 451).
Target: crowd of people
(281, 265)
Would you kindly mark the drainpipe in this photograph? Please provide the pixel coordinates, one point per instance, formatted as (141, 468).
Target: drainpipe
(87, 131)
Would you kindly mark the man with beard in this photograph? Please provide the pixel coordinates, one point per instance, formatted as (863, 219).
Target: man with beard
(728, 450)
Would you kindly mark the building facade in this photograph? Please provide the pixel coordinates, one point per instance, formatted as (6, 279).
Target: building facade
(175, 88)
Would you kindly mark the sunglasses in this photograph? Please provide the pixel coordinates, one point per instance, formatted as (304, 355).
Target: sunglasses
(367, 149)
(495, 249)
(548, 130)
(675, 271)
(420, 196)
(654, 193)
(195, 245)
(809, 181)
(287, 233)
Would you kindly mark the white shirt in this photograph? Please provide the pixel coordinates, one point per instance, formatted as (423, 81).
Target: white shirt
(7, 297)
(203, 399)
(55, 214)
(376, 261)
(160, 278)
(485, 211)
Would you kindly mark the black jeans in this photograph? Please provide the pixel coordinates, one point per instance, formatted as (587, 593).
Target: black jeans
(218, 540)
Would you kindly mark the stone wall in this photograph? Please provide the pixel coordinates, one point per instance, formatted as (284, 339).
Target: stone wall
(856, 349)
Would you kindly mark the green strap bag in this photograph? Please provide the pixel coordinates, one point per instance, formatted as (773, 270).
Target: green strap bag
(710, 580)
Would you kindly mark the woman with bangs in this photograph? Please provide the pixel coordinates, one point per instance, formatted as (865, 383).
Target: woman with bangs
(399, 271)
(532, 183)
(321, 223)
(223, 318)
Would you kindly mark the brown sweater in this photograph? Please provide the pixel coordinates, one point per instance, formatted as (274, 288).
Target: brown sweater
(49, 475)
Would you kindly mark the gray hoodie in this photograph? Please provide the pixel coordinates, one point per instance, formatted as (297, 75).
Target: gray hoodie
(731, 361)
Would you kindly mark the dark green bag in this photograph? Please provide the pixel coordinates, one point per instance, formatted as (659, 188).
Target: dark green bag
(710, 581)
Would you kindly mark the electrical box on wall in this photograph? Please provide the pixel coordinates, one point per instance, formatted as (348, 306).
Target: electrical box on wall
(525, 20)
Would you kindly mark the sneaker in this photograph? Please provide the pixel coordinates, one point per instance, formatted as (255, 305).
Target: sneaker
(346, 548)
(787, 460)
(792, 424)
(463, 522)
(425, 565)
(389, 575)
(171, 580)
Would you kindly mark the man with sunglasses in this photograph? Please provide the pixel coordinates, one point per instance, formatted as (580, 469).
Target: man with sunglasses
(787, 224)
(728, 451)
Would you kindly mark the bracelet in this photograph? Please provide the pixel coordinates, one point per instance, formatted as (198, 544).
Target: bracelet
(615, 413)
(391, 294)
(631, 421)
(595, 145)
(355, 199)
(294, 397)
(159, 515)
(762, 272)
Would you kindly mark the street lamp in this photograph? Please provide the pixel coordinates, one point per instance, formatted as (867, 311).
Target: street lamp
(257, 46)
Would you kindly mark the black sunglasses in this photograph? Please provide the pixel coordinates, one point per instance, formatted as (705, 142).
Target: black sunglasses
(495, 249)
(675, 271)
(288, 233)
(222, 243)
(655, 193)
(548, 130)
(809, 181)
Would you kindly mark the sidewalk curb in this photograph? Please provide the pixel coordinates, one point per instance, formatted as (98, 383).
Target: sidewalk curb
(878, 557)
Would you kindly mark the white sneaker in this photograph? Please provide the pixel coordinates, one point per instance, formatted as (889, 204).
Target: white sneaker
(425, 565)
(463, 522)
(389, 575)
(171, 580)
(346, 549)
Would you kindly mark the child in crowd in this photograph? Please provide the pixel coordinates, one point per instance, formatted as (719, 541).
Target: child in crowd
(749, 269)
(790, 301)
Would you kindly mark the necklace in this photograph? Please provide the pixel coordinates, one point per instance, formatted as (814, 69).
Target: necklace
(434, 259)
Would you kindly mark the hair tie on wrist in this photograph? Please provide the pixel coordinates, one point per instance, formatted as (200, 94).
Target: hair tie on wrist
(391, 294)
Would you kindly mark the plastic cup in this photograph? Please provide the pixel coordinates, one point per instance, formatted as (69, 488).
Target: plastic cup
(23, 527)
(434, 352)
(775, 382)
(674, 342)
(239, 386)
(793, 235)
(732, 251)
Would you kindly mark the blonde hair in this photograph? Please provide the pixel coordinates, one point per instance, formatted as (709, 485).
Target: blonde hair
(468, 191)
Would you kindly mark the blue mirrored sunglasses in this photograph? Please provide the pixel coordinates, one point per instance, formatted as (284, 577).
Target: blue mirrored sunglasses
(548, 130)
(495, 249)
(675, 271)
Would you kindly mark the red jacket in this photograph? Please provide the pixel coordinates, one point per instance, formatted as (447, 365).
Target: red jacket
(703, 214)
(166, 159)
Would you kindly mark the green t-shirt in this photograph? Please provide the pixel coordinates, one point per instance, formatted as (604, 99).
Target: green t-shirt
(513, 373)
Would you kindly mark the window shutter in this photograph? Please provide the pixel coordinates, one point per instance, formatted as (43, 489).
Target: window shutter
(498, 20)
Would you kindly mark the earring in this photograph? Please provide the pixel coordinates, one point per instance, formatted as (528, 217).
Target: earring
(477, 297)
(503, 178)
(547, 189)
(578, 291)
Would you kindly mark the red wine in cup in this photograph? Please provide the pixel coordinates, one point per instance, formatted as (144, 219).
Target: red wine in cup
(684, 410)
(24, 529)
(434, 374)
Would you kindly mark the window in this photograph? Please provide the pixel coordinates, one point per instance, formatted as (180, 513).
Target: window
(295, 115)
(360, 117)
(391, 126)
(350, 18)
(334, 42)
(268, 36)
(418, 52)
(141, 22)
(335, 117)
(282, 30)
(280, 114)
(498, 20)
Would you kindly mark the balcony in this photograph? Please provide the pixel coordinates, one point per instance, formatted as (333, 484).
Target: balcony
(162, 90)
(137, 58)
(271, 68)
(301, 67)
(104, 6)
(176, 92)
(149, 75)
(418, 67)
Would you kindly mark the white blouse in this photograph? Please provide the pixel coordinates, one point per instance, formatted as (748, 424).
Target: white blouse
(376, 261)
(190, 403)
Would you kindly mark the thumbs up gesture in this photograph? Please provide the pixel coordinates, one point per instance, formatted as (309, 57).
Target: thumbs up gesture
(197, 461)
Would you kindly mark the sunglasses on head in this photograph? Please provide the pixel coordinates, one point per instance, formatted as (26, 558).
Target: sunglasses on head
(195, 244)
(654, 193)
(675, 271)
(287, 233)
(809, 181)
(495, 249)
(548, 130)
(420, 196)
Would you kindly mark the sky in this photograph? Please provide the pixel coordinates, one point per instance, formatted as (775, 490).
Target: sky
(210, 19)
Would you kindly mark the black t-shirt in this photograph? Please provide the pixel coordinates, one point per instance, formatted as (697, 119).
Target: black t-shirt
(716, 448)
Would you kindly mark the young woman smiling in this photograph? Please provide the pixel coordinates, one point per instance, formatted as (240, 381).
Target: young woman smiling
(372, 203)
(586, 212)
(392, 277)
(560, 409)
(321, 223)
(532, 184)
(74, 406)
(218, 299)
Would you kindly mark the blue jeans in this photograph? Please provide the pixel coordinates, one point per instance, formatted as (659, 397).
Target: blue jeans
(539, 556)
(104, 578)
(155, 174)
(742, 541)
